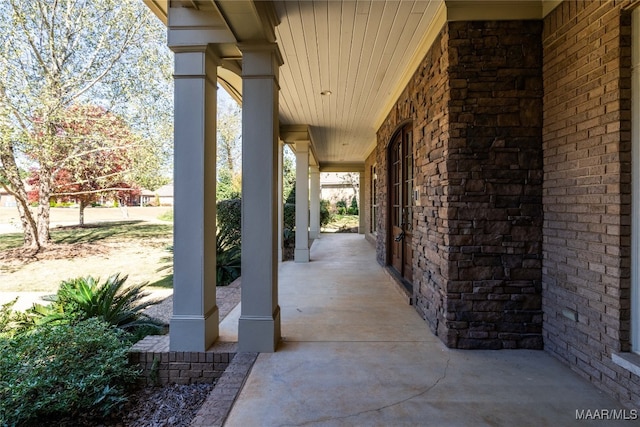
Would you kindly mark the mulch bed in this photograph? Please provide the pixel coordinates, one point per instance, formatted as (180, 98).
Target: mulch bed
(168, 406)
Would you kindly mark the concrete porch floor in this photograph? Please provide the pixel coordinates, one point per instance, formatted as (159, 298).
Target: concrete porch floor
(354, 353)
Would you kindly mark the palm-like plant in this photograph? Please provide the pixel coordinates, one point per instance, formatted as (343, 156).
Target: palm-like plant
(228, 257)
(83, 298)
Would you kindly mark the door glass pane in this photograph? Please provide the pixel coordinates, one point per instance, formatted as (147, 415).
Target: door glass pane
(409, 181)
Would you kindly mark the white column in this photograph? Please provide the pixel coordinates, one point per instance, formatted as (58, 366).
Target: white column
(259, 325)
(194, 324)
(362, 225)
(314, 202)
(280, 201)
(302, 202)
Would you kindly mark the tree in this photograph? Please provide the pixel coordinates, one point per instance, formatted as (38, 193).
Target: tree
(229, 185)
(353, 180)
(353, 208)
(288, 173)
(104, 158)
(229, 135)
(229, 149)
(56, 55)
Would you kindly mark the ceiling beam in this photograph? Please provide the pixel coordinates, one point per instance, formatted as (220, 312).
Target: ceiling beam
(159, 8)
(341, 167)
(480, 10)
(292, 133)
(249, 20)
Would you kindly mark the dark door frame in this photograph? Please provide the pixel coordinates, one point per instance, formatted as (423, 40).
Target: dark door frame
(404, 129)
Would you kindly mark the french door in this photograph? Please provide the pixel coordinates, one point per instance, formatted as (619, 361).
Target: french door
(401, 203)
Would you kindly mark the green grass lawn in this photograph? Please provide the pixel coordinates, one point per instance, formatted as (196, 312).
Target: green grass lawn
(341, 223)
(134, 248)
(121, 230)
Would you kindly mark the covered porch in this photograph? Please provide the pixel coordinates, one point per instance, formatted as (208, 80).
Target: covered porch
(330, 80)
(496, 151)
(373, 363)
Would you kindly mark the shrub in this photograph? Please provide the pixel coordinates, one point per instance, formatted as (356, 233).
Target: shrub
(63, 370)
(83, 298)
(11, 322)
(289, 214)
(341, 207)
(228, 241)
(289, 211)
(166, 216)
(229, 185)
(228, 257)
(325, 214)
(229, 216)
(353, 208)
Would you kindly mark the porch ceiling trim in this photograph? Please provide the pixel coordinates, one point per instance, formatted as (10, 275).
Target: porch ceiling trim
(474, 10)
(292, 133)
(341, 167)
(159, 8)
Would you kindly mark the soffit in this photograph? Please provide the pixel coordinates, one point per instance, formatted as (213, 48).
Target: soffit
(363, 51)
(358, 50)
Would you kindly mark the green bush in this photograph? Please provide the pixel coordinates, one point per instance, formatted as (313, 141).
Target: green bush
(66, 370)
(289, 216)
(341, 207)
(228, 257)
(325, 214)
(83, 298)
(353, 208)
(229, 185)
(229, 216)
(11, 322)
(166, 216)
(289, 211)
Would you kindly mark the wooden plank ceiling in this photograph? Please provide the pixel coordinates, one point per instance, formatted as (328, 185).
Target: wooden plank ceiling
(360, 51)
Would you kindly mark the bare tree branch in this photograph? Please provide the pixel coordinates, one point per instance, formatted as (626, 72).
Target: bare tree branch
(102, 190)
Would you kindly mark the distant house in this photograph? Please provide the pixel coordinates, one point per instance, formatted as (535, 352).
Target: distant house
(163, 196)
(336, 186)
(147, 197)
(6, 200)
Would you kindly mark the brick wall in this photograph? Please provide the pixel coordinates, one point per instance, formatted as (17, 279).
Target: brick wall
(160, 366)
(587, 194)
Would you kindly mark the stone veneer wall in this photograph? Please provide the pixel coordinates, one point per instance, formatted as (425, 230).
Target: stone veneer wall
(587, 191)
(424, 102)
(494, 185)
(476, 107)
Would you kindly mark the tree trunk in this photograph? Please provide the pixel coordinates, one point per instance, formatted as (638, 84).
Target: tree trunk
(44, 210)
(123, 208)
(82, 206)
(229, 153)
(29, 228)
(28, 225)
(27, 221)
